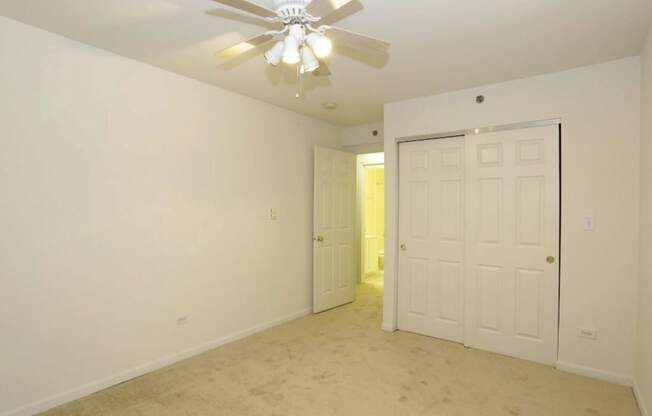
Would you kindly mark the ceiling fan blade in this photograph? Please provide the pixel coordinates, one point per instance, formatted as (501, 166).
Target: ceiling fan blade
(244, 18)
(322, 8)
(245, 46)
(323, 70)
(249, 7)
(355, 40)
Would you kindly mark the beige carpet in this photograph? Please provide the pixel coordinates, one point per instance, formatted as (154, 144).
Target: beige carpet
(341, 363)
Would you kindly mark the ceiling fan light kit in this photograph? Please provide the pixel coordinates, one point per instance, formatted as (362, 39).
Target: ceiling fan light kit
(310, 62)
(293, 41)
(274, 55)
(298, 42)
(321, 45)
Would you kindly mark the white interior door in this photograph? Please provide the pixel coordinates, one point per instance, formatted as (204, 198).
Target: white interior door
(333, 266)
(512, 280)
(431, 232)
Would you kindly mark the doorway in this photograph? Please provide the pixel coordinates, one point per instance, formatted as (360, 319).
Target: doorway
(373, 214)
(371, 218)
(348, 225)
(479, 240)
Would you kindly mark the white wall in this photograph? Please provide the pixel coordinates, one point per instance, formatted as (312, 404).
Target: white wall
(360, 139)
(131, 196)
(644, 362)
(600, 108)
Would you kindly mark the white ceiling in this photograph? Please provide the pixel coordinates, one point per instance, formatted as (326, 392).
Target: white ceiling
(437, 45)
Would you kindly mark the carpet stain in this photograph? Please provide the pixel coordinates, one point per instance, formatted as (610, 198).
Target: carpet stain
(514, 411)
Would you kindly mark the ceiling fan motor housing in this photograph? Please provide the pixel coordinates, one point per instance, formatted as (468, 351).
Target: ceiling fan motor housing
(289, 9)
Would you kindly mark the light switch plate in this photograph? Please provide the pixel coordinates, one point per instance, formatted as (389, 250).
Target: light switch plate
(589, 223)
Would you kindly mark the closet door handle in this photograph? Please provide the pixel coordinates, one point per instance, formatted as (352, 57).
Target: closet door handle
(403, 247)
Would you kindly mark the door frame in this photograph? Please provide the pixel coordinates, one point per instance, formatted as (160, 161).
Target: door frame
(392, 241)
(362, 161)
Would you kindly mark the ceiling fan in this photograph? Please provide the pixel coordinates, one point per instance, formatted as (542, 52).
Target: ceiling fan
(298, 41)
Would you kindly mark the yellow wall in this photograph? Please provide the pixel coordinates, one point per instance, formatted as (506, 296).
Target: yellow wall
(374, 217)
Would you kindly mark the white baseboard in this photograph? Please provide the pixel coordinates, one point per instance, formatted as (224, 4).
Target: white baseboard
(641, 402)
(595, 373)
(95, 386)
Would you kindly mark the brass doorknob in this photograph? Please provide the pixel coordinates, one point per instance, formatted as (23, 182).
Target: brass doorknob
(319, 239)
(403, 247)
(550, 259)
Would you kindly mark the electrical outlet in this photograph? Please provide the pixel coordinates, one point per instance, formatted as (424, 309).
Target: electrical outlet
(182, 321)
(587, 333)
(273, 214)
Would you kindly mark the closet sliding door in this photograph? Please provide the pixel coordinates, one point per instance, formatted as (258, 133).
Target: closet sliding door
(479, 241)
(512, 216)
(431, 231)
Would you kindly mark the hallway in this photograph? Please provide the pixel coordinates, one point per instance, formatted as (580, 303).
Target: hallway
(341, 363)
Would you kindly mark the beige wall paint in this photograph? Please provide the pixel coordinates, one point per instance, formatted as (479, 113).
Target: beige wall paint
(131, 197)
(644, 363)
(365, 149)
(360, 139)
(600, 109)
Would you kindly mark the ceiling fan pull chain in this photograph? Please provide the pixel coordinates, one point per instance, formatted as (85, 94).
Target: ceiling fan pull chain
(302, 78)
(301, 73)
(298, 94)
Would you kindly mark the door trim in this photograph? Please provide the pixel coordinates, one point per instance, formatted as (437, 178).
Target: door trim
(480, 130)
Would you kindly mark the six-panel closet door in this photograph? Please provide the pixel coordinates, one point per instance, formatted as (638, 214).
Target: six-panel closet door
(512, 216)
(479, 235)
(431, 230)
